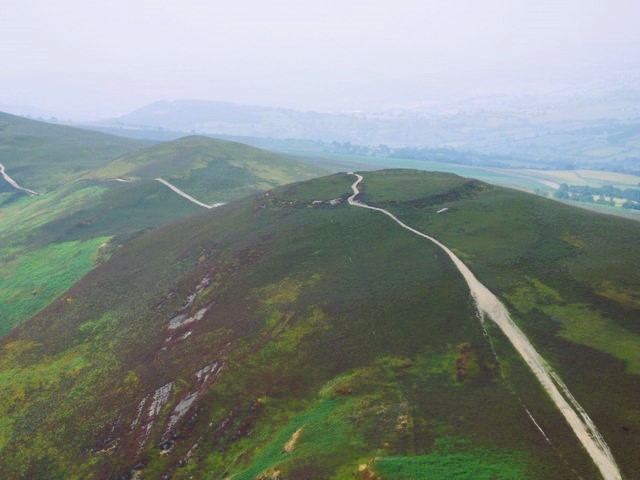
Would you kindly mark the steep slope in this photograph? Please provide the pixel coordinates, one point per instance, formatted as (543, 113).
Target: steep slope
(291, 335)
(42, 156)
(49, 241)
(490, 308)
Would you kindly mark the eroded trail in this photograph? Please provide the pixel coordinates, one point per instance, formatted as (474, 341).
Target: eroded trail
(13, 183)
(489, 306)
(184, 194)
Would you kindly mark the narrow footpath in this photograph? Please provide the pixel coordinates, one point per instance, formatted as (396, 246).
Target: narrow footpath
(489, 306)
(186, 195)
(13, 183)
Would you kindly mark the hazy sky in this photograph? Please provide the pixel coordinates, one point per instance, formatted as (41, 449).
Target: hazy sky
(96, 58)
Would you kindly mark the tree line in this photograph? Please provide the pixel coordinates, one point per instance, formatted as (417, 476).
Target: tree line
(604, 194)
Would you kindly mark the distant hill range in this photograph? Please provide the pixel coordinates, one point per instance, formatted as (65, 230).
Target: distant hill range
(245, 120)
(577, 131)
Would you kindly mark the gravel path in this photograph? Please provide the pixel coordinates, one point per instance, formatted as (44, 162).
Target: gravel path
(489, 306)
(186, 195)
(13, 183)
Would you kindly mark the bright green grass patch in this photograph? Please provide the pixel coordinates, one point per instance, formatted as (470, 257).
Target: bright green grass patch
(475, 465)
(322, 430)
(580, 323)
(533, 295)
(284, 292)
(277, 172)
(20, 386)
(32, 381)
(32, 281)
(25, 215)
(454, 459)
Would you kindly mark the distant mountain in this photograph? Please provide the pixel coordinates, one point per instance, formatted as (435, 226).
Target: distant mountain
(28, 111)
(291, 335)
(561, 131)
(233, 119)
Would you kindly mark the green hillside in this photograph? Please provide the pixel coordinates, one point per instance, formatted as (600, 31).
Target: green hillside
(290, 335)
(48, 242)
(42, 156)
(212, 170)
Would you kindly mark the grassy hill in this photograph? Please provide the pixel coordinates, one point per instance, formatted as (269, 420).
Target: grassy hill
(289, 335)
(48, 242)
(42, 156)
(212, 170)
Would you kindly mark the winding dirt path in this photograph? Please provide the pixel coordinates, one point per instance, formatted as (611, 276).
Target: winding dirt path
(186, 195)
(13, 183)
(489, 306)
